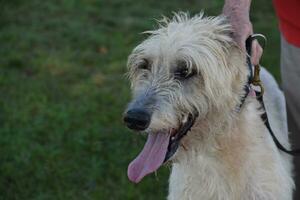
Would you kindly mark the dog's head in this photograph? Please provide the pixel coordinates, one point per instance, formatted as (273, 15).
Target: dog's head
(188, 68)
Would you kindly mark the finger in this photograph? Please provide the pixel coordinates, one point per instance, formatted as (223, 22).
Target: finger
(242, 37)
(256, 53)
(241, 44)
(241, 41)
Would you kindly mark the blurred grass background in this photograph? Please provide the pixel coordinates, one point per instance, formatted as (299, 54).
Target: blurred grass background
(62, 94)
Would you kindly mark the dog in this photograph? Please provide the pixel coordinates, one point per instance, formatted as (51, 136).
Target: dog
(187, 80)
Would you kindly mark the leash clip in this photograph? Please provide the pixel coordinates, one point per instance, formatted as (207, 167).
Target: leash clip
(255, 77)
(256, 80)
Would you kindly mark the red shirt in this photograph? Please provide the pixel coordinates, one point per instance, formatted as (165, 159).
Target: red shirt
(288, 12)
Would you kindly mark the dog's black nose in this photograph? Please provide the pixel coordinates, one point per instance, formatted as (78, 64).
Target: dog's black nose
(137, 119)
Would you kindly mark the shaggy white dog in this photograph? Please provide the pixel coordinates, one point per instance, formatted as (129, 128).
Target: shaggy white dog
(190, 75)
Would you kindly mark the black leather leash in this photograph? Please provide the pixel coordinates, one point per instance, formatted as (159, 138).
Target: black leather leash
(264, 117)
(253, 79)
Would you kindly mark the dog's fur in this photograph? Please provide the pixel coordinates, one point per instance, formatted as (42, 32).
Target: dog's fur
(229, 154)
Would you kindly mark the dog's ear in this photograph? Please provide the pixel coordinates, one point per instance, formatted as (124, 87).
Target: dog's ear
(225, 22)
(221, 30)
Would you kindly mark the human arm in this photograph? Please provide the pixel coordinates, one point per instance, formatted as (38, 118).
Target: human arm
(237, 12)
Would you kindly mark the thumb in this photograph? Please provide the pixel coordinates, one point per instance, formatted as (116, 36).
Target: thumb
(256, 53)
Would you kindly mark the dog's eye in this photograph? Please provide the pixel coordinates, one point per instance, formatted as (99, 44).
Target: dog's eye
(144, 64)
(183, 73)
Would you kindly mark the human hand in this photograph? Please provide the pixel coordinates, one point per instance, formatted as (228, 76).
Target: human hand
(238, 16)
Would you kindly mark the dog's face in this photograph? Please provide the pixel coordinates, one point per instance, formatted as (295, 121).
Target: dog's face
(183, 71)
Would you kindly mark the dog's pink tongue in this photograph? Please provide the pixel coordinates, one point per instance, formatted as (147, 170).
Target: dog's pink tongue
(151, 157)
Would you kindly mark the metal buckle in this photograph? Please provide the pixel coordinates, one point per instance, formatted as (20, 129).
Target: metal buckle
(261, 36)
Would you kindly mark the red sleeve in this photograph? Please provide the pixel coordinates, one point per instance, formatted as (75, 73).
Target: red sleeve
(288, 12)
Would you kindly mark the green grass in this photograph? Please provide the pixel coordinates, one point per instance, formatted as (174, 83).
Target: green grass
(62, 94)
